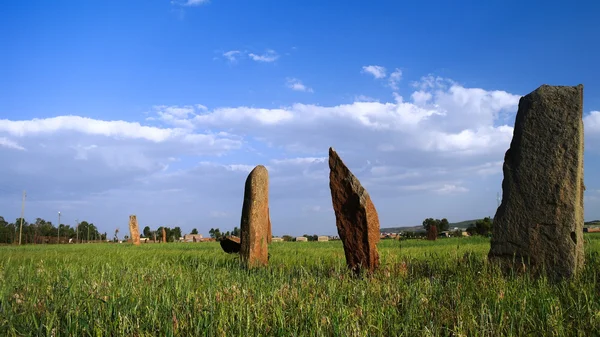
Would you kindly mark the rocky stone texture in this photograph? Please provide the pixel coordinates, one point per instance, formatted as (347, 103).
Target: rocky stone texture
(432, 233)
(134, 230)
(540, 220)
(255, 221)
(164, 235)
(356, 218)
(231, 244)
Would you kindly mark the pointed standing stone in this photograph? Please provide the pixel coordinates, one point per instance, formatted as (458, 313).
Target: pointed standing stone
(164, 235)
(255, 221)
(134, 230)
(540, 219)
(356, 218)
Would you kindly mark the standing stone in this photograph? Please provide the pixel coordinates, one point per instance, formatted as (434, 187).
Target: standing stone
(432, 233)
(230, 244)
(356, 218)
(134, 230)
(540, 221)
(164, 235)
(255, 219)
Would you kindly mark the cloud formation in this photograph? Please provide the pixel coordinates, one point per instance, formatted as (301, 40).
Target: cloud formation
(437, 152)
(297, 85)
(376, 71)
(269, 56)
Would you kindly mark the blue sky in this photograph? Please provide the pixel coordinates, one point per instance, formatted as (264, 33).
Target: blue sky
(419, 99)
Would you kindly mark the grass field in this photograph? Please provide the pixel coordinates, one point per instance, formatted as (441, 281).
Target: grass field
(442, 288)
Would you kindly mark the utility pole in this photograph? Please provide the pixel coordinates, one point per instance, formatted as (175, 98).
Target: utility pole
(22, 215)
(88, 241)
(58, 226)
(77, 231)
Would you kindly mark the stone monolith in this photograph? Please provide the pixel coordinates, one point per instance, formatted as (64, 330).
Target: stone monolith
(356, 217)
(134, 230)
(255, 219)
(164, 235)
(539, 224)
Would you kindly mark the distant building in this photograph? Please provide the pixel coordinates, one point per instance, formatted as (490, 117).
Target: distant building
(323, 238)
(301, 239)
(276, 239)
(192, 238)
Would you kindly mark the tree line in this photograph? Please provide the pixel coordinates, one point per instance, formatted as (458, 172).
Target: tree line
(42, 231)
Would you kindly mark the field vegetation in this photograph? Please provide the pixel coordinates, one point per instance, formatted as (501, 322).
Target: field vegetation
(440, 288)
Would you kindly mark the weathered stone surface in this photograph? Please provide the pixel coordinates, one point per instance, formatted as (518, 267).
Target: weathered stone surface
(164, 235)
(432, 233)
(231, 244)
(540, 220)
(255, 219)
(134, 230)
(356, 218)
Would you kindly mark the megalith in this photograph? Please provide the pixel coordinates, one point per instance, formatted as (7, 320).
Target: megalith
(539, 223)
(432, 233)
(164, 235)
(230, 244)
(255, 221)
(356, 217)
(134, 230)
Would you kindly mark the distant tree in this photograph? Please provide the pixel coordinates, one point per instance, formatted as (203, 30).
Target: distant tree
(443, 225)
(147, 232)
(116, 235)
(236, 231)
(176, 233)
(287, 238)
(194, 231)
(481, 227)
(214, 233)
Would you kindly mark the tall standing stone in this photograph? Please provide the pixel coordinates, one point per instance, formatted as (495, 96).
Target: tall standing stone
(539, 223)
(255, 221)
(134, 230)
(164, 235)
(356, 218)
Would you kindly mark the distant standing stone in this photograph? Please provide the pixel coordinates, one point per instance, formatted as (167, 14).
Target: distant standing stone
(255, 219)
(356, 218)
(164, 235)
(540, 219)
(231, 244)
(432, 233)
(134, 230)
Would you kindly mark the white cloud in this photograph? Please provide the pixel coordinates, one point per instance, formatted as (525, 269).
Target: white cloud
(296, 85)
(5, 142)
(231, 55)
(376, 71)
(269, 56)
(592, 122)
(190, 2)
(364, 98)
(394, 78)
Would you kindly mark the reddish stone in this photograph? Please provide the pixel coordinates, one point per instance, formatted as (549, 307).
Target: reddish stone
(255, 219)
(432, 233)
(164, 235)
(231, 244)
(356, 217)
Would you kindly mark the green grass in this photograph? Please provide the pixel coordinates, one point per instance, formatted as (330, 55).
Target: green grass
(441, 288)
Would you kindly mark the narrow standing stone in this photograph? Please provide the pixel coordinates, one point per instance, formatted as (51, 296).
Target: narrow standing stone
(432, 233)
(356, 217)
(134, 230)
(164, 235)
(255, 219)
(540, 221)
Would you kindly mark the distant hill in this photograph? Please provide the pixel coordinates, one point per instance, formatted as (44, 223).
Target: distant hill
(462, 225)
